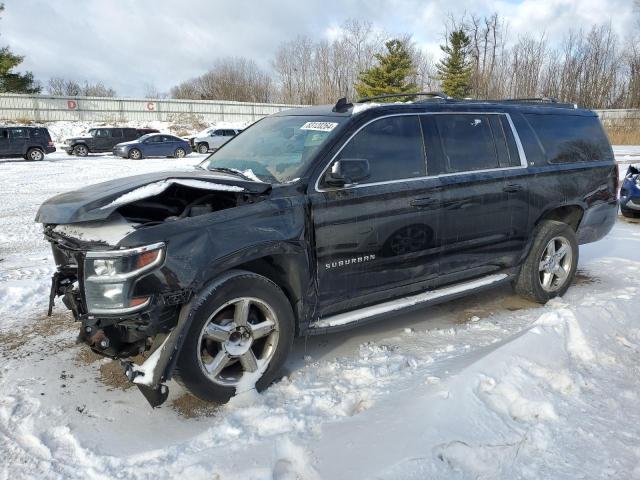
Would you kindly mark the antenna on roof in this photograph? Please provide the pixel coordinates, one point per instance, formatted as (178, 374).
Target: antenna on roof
(342, 105)
(440, 95)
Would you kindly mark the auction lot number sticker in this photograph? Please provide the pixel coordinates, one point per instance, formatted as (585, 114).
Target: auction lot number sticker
(319, 126)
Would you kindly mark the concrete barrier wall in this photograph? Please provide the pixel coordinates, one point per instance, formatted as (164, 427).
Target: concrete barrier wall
(45, 108)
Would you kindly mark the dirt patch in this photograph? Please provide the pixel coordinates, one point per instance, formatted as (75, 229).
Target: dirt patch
(485, 308)
(629, 219)
(192, 407)
(112, 374)
(41, 329)
(86, 356)
(583, 278)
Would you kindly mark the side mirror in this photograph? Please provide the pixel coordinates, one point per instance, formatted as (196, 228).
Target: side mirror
(348, 171)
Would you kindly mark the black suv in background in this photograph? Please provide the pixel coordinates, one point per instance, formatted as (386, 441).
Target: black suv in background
(99, 140)
(322, 218)
(30, 143)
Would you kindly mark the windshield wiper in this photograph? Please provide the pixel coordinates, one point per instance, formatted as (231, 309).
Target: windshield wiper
(232, 171)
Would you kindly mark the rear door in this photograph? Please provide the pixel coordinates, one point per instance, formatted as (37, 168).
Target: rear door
(380, 236)
(484, 191)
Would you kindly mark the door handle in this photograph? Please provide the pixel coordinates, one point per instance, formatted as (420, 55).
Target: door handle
(512, 188)
(423, 202)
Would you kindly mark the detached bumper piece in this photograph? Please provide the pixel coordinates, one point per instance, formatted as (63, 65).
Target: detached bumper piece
(156, 396)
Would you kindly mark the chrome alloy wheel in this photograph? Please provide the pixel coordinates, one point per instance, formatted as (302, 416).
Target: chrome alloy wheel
(180, 153)
(555, 264)
(36, 155)
(241, 336)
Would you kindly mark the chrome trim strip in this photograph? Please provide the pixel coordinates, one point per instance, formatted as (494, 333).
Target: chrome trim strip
(120, 311)
(521, 153)
(124, 252)
(393, 305)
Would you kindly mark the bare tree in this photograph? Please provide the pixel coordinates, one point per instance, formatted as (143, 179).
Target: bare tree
(67, 87)
(232, 78)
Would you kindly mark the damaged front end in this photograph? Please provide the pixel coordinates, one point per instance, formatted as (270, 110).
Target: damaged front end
(127, 298)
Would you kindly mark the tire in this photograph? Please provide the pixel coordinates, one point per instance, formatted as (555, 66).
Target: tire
(221, 336)
(629, 213)
(135, 154)
(179, 153)
(547, 273)
(203, 148)
(80, 150)
(34, 155)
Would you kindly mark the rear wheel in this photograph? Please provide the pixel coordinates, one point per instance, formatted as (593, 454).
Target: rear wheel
(551, 264)
(179, 153)
(240, 336)
(203, 148)
(35, 154)
(135, 154)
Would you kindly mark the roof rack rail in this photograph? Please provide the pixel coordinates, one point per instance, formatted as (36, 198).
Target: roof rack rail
(547, 100)
(441, 95)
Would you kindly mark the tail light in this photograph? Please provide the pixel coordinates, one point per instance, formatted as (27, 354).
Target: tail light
(50, 143)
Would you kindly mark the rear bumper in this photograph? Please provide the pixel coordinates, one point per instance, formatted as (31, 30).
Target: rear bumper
(49, 149)
(597, 222)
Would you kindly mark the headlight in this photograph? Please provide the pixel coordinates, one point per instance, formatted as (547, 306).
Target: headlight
(109, 277)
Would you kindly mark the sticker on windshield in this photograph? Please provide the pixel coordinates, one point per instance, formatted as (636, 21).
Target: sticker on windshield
(319, 126)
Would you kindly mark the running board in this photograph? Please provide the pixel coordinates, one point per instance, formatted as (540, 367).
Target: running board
(431, 296)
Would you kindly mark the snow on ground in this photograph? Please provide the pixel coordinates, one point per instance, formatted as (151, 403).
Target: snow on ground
(489, 386)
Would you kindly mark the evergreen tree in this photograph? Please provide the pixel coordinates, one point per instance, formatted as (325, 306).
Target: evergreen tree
(454, 70)
(391, 75)
(11, 81)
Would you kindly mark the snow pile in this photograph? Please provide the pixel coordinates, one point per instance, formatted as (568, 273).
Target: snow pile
(62, 130)
(109, 232)
(157, 188)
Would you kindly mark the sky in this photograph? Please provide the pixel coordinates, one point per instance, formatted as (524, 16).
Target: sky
(130, 44)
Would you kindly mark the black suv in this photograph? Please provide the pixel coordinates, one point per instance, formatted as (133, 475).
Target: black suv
(323, 218)
(99, 140)
(30, 143)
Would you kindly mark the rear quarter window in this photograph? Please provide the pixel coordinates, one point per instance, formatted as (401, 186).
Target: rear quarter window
(571, 138)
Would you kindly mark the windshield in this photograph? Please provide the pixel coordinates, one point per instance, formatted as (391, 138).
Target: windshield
(92, 132)
(276, 149)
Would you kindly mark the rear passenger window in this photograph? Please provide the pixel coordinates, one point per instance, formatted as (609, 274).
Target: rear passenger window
(19, 133)
(571, 138)
(116, 133)
(392, 145)
(467, 142)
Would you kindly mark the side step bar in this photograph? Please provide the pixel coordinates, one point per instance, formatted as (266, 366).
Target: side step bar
(430, 297)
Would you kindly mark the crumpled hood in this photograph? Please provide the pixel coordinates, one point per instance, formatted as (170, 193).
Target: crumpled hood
(98, 202)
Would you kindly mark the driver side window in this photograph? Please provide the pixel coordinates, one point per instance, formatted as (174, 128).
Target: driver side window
(393, 147)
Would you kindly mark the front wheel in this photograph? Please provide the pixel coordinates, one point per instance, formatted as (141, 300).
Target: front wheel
(240, 337)
(81, 150)
(135, 154)
(179, 153)
(203, 148)
(551, 264)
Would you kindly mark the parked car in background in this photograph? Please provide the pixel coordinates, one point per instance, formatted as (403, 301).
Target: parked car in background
(153, 145)
(30, 143)
(630, 193)
(146, 131)
(99, 140)
(213, 138)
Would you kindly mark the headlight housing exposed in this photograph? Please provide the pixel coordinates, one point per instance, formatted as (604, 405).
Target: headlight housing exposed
(109, 276)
